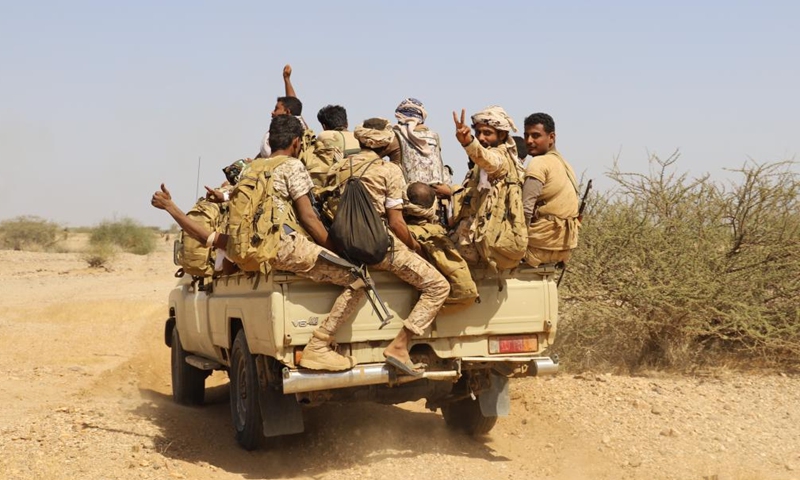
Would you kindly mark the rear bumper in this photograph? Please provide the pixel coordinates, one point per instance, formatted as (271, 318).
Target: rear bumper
(301, 380)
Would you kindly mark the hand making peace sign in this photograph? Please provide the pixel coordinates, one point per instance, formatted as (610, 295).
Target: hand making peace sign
(463, 132)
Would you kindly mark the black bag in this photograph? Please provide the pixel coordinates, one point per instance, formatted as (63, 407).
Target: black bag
(357, 230)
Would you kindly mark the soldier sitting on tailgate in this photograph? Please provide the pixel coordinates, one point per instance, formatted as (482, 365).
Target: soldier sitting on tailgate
(424, 224)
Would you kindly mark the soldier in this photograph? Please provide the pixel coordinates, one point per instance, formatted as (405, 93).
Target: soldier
(296, 252)
(549, 195)
(289, 104)
(384, 183)
(423, 222)
(333, 119)
(522, 149)
(489, 198)
(417, 150)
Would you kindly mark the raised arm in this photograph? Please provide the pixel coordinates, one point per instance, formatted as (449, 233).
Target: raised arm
(489, 159)
(287, 81)
(162, 200)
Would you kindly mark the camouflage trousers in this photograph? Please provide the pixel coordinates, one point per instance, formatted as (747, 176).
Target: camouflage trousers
(536, 256)
(417, 272)
(299, 255)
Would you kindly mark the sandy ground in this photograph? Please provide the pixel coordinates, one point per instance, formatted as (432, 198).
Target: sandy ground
(85, 394)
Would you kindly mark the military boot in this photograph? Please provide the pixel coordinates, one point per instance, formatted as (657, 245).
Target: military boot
(318, 354)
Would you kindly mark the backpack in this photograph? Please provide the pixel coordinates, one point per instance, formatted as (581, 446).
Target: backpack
(317, 157)
(254, 219)
(501, 236)
(191, 255)
(357, 230)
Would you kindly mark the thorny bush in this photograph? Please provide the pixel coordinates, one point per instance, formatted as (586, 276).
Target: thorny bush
(673, 272)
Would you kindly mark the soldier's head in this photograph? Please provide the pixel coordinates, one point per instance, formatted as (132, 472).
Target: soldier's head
(285, 132)
(375, 134)
(288, 106)
(522, 149)
(234, 170)
(492, 126)
(410, 109)
(332, 117)
(540, 133)
(421, 194)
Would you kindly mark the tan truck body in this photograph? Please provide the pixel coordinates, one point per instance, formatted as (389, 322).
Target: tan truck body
(278, 312)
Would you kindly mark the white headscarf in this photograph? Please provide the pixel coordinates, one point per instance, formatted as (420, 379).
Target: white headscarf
(409, 114)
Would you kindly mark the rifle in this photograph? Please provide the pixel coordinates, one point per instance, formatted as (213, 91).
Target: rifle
(580, 218)
(362, 277)
(583, 200)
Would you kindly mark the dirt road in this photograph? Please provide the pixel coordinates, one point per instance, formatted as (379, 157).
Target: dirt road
(85, 394)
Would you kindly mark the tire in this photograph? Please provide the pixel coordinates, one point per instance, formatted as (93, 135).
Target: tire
(245, 409)
(188, 382)
(465, 415)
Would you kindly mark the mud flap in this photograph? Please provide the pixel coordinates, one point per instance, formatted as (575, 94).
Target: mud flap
(495, 401)
(280, 414)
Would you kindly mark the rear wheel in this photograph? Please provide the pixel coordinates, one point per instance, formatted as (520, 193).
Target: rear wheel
(188, 382)
(465, 415)
(245, 410)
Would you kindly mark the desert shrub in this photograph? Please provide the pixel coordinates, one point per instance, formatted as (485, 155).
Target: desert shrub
(99, 254)
(29, 233)
(676, 272)
(126, 233)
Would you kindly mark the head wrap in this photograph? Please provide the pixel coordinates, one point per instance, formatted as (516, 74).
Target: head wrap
(373, 138)
(233, 172)
(496, 117)
(409, 114)
(415, 211)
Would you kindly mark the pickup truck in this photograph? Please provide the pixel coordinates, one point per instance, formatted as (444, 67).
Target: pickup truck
(254, 327)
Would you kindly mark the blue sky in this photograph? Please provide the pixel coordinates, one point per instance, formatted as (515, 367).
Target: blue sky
(102, 101)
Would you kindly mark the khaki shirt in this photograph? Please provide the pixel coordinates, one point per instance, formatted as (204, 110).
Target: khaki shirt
(383, 180)
(344, 140)
(555, 225)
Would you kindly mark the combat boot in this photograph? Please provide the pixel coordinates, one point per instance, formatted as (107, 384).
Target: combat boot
(318, 354)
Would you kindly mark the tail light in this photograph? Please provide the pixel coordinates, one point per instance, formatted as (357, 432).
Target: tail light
(513, 344)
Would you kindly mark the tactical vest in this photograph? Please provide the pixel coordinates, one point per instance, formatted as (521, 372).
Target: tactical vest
(497, 216)
(418, 167)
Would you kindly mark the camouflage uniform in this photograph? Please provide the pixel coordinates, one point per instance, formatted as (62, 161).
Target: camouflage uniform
(385, 185)
(491, 166)
(416, 166)
(300, 255)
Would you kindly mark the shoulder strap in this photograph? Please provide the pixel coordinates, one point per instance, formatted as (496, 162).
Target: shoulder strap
(401, 147)
(368, 165)
(569, 175)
